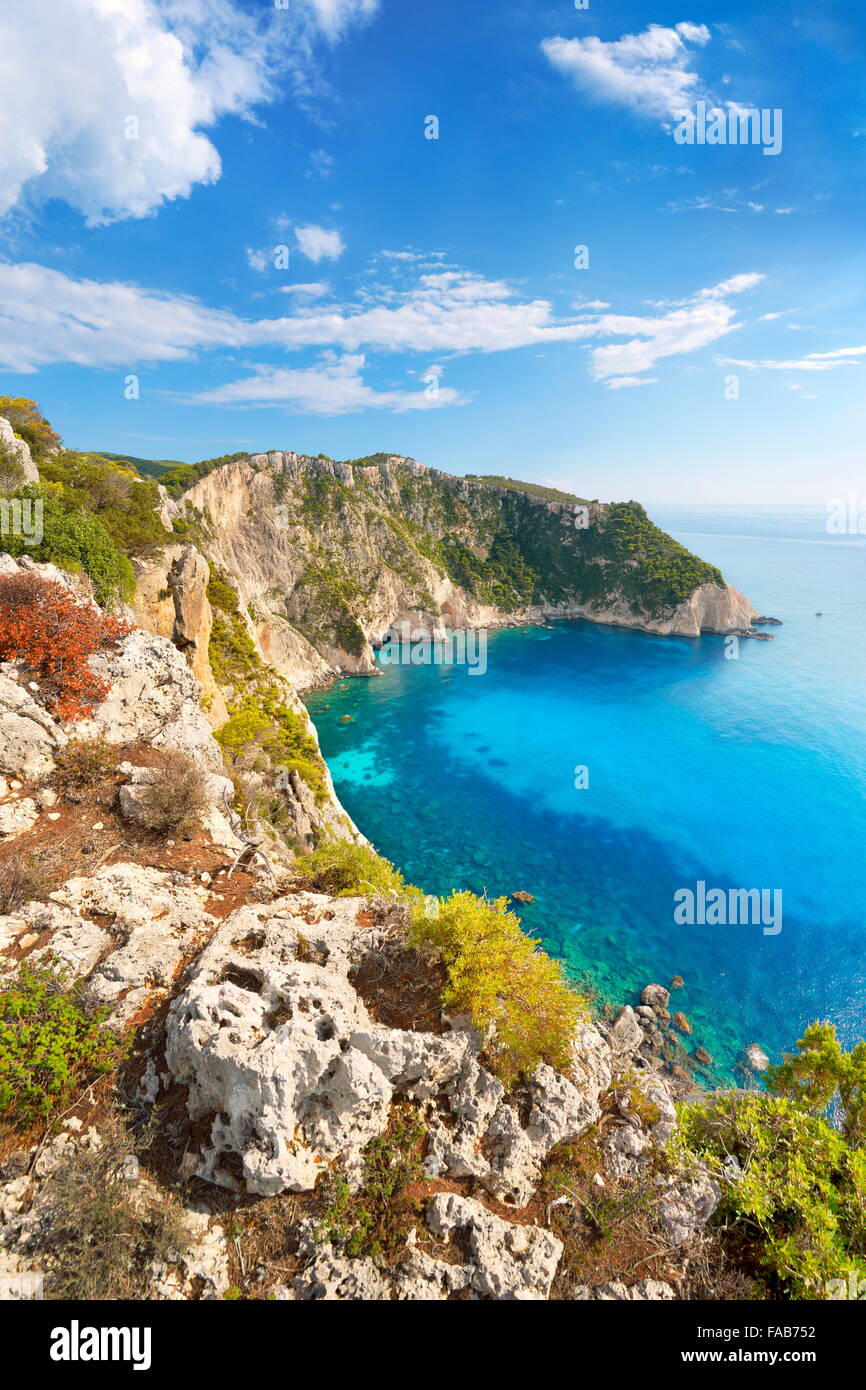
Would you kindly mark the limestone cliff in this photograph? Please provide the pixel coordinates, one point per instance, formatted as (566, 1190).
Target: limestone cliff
(327, 557)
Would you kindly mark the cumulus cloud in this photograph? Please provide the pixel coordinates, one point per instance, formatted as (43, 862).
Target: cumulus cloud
(319, 244)
(167, 71)
(650, 72)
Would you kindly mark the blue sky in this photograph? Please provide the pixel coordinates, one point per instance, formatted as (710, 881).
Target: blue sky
(156, 156)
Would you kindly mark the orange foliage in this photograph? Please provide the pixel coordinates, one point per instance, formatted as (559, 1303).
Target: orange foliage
(43, 625)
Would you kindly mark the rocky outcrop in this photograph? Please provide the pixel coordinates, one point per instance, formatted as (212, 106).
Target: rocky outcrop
(488, 1258)
(275, 1044)
(171, 601)
(16, 462)
(153, 696)
(29, 736)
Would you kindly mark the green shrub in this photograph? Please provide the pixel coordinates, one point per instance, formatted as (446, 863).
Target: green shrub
(373, 1217)
(76, 541)
(345, 869)
(820, 1073)
(50, 1047)
(793, 1191)
(500, 978)
(263, 731)
(124, 504)
(29, 424)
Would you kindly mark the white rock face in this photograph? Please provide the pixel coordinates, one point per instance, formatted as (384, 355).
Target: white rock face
(20, 468)
(686, 1206)
(499, 1260)
(654, 1290)
(263, 1039)
(154, 925)
(29, 737)
(17, 816)
(708, 609)
(510, 1262)
(77, 944)
(154, 695)
(277, 1046)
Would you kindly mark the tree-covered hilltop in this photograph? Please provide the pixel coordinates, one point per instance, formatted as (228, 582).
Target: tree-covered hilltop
(550, 494)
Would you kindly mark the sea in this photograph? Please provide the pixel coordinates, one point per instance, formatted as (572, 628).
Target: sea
(611, 773)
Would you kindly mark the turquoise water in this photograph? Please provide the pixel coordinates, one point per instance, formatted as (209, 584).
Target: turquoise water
(742, 773)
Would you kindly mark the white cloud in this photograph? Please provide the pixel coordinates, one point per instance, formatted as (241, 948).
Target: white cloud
(319, 244)
(616, 383)
(256, 259)
(315, 289)
(685, 326)
(332, 387)
(649, 72)
(812, 362)
(104, 102)
(47, 317)
(322, 162)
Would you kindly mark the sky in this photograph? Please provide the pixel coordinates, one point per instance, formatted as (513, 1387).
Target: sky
(483, 235)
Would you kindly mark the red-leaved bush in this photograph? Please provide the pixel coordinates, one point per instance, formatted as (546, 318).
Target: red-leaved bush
(43, 625)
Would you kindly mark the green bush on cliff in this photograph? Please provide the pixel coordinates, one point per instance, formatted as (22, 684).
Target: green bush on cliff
(263, 731)
(29, 424)
(497, 974)
(653, 572)
(345, 870)
(512, 991)
(76, 541)
(50, 1045)
(124, 504)
(793, 1183)
(820, 1074)
(264, 724)
(95, 515)
(793, 1200)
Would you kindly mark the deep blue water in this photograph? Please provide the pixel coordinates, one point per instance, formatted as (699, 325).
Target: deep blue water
(744, 773)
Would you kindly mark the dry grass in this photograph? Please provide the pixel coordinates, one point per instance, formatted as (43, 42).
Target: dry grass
(176, 797)
(105, 1228)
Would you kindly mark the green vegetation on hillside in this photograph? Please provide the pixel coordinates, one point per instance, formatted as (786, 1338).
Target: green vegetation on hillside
(369, 460)
(549, 494)
(96, 514)
(148, 468)
(793, 1184)
(51, 1045)
(263, 733)
(30, 424)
